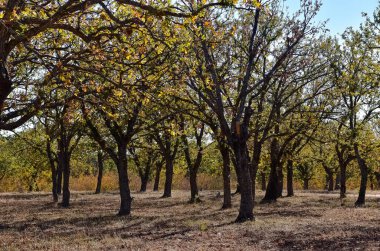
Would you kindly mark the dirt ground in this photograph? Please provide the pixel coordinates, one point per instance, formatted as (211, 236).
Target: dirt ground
(308, 221)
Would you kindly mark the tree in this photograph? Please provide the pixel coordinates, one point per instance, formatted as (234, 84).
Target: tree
(358, 92)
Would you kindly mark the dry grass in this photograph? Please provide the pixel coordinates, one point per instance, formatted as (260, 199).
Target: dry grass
(309, 221)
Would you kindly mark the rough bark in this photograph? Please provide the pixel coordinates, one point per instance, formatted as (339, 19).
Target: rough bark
(245, 181)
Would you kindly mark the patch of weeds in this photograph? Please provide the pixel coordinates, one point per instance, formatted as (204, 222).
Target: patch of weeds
(203, 226)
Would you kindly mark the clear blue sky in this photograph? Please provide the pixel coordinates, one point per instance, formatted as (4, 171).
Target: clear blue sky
(341, 13)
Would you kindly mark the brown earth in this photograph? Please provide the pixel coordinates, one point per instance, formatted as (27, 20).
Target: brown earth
(308, 221)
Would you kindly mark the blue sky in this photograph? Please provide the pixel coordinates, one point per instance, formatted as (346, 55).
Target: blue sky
(341, 13)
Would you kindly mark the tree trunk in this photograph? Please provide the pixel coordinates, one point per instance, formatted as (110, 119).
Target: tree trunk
(168, 177)
(272, 192)
(342, 181)
(331, 182)
(289, 178)
(255, 166)
(100, 173)
(337, 180)
(193, 186)
(65, 164)
(157, 178)
(5, 82)
(125, 193)
(329, 178)
(306, 184)
(364, 177)
(377, 175)
(263, 181)
(280, 176)
(53, 171)
(59, 175)
(245, 180)
(224, 151)
(144, 183)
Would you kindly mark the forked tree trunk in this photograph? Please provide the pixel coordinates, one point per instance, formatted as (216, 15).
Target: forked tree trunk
(329, 178)
(100, 173)
(289, 178)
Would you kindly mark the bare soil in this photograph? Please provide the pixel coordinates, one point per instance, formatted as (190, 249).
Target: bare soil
(308, 221)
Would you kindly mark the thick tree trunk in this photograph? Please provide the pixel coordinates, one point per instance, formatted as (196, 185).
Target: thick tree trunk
(263, 181)
(289, 178)
(364, 177)
(168, 177)
(66, 183)
(125, 193)
(193, 186)
(144, 183)
(224, 151)
(272, 192)
(157, 177)
(5, 82)
(100, 173)
(245, 180)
